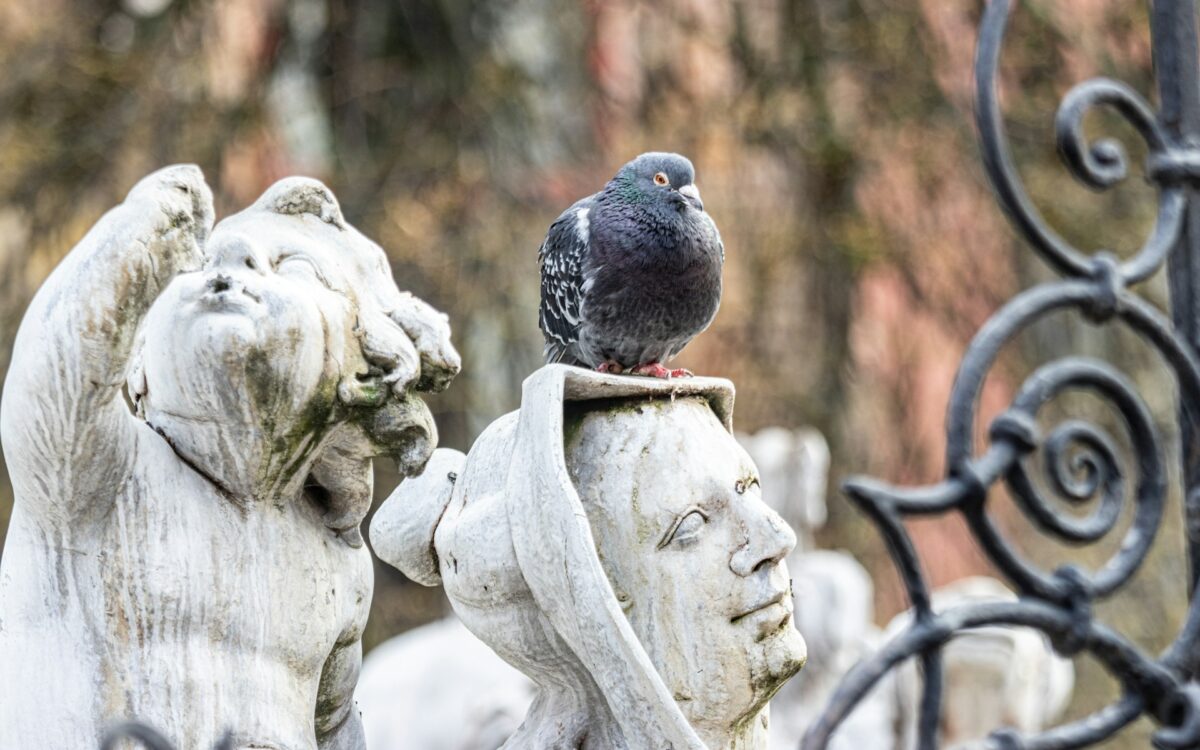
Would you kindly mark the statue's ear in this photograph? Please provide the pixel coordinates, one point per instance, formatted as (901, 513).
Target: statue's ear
(362, 390)
(135, 381)
(303, 195)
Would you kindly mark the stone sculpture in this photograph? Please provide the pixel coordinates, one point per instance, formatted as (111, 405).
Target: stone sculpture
(609, 541)
(995, 676)
(187, 554)
(794, 466)
(438, 687)
(410, 688)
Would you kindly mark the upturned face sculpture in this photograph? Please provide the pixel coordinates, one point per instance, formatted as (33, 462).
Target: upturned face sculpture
(695, 556)
(262, 331)
(250, 365)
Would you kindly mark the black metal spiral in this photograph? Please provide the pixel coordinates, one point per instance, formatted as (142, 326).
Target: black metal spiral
(1083, 467)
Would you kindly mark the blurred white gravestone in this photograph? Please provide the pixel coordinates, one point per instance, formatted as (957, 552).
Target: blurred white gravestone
(994, 676)
(609, 540)
(191, 558)
(438, 687)
(794, 465)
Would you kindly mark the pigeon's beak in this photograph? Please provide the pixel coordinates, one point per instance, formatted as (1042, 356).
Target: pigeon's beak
(692, 193)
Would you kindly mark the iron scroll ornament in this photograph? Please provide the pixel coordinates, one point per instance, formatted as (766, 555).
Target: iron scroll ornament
(1082, 464)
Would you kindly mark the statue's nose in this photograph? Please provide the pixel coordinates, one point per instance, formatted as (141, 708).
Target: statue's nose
(219, 282)
(768, 539)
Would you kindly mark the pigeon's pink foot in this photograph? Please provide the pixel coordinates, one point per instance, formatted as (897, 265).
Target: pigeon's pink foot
(610, 367)
(656, 370)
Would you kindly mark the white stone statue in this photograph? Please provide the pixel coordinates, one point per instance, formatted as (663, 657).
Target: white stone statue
(794, 466)
(187, 553)
(609, 540)
(994, 676)
(409, 688)
(438, 687)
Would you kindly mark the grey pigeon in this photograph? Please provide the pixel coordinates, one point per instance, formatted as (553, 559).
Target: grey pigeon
(631, 274)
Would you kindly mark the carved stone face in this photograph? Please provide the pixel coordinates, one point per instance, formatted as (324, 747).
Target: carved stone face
(695, 556)
(242, 359)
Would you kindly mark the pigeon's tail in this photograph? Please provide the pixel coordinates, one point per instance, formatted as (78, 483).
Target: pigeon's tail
(557, 353)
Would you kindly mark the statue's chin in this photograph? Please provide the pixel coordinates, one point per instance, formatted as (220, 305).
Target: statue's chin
(783, 655)
(224, 333)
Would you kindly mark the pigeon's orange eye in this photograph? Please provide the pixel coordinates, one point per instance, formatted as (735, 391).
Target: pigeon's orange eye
(661, 179)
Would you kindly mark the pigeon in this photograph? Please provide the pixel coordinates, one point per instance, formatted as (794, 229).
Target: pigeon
(631, 274)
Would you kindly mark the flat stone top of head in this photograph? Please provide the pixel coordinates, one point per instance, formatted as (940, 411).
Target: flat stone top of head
(581, 384)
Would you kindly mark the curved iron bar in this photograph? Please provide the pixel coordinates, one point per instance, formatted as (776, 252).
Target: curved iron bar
(1104, 723)
(1100, 166)
(1081, 462)
(1154, 685)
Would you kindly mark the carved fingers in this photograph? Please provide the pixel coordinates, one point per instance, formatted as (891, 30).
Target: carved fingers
(181, 207)
(429, 331)
(402, 429)
(297, 196)
(388, 350)
(344, 473)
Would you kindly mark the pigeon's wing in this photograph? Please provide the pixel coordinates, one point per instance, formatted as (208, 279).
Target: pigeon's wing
(561, 260)
(716, 236)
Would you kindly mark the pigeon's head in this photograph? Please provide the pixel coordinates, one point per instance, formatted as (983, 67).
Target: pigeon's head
(660, 178)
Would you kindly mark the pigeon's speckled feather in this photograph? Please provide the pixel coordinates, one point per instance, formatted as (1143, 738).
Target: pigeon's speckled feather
(560, 257)
(631, 274)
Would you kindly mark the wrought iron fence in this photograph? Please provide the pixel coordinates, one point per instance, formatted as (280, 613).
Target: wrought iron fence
(1083, 466)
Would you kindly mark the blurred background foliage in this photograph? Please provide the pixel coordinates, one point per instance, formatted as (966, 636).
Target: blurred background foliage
(834, 147)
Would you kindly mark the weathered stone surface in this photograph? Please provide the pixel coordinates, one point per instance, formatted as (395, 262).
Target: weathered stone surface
(609, 540)
(191, 557)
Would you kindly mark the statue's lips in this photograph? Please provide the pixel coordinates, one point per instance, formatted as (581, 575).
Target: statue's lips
(769, 615)
(777, 598)
(230, 300)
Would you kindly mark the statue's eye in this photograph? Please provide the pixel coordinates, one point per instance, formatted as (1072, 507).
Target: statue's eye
(661, 179)
(742, 485)
(686, 529)
(299, 267)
